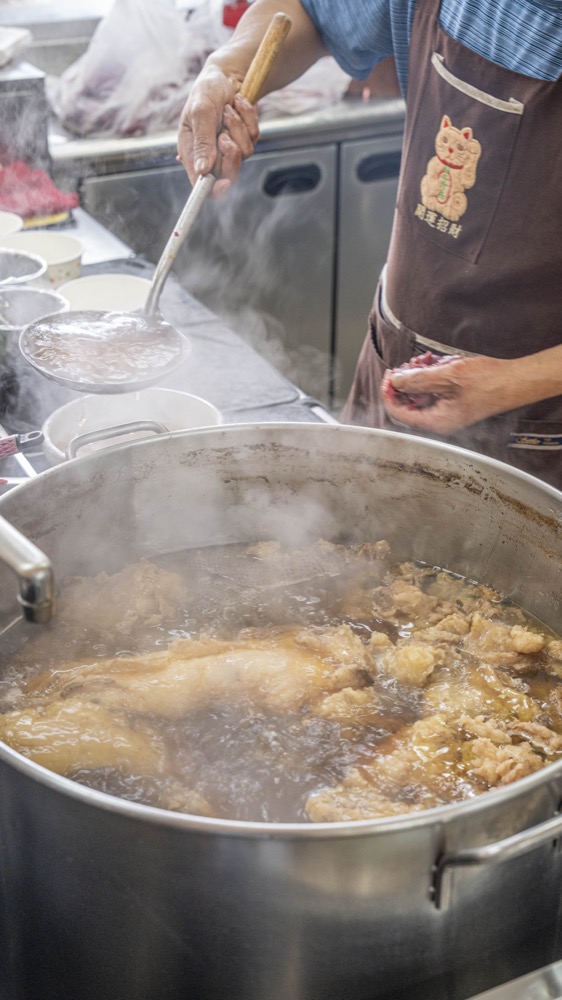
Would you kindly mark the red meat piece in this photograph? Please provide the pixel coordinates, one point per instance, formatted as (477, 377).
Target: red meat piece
(29, 192)
(419, 400)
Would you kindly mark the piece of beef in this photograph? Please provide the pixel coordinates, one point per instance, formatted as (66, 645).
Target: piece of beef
(419, 400)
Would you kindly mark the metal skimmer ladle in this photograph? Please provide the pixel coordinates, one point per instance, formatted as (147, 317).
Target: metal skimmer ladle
(109, 352)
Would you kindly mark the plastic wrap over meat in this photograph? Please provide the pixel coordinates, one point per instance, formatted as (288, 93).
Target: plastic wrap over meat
(136, 74)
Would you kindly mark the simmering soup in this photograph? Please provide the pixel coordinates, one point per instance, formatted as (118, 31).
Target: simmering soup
(270, 684)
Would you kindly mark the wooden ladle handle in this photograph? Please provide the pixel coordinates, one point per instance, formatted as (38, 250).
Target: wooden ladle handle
(266, 55)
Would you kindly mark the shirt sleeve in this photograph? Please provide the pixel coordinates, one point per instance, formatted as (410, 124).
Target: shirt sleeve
(357, 34)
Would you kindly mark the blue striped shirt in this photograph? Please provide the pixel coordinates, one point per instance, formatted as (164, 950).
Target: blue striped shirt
(521, 35)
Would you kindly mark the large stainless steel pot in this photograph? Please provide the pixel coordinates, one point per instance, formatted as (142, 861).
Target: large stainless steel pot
(101, 898)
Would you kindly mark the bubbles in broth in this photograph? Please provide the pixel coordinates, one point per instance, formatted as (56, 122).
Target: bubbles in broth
(268, 684)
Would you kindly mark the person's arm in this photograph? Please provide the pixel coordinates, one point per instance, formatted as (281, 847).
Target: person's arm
(472, 389)
(213, 103)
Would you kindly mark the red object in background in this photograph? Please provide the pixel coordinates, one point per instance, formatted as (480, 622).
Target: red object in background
(29, 192)
(232, 12)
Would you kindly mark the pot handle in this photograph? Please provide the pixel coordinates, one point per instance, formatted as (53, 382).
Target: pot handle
(118, 430)
(34, 570)
(502, 850)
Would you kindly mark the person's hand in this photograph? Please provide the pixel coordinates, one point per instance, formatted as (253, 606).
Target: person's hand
(218, 129)
(217, 123)
(445, 396)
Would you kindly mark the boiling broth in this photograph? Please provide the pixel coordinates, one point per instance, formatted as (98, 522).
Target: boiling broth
(259, 683)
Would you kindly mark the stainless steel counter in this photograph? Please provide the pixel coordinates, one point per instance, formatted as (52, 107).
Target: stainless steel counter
(544, 984)
(346, 120)
(99, 245)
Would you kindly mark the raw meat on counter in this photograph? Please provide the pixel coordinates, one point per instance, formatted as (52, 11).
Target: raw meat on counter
(31, 193)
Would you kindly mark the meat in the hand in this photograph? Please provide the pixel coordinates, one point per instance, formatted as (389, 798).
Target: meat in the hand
(418, 400)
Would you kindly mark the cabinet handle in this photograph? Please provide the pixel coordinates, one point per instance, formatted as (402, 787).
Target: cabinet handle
(378, 167)
(292, 180)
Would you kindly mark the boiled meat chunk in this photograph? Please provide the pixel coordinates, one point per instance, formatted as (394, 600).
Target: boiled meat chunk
(63, 735)
(283, 669)
(500, 765)
(410, 664)
(409, 774)
(107, 608)
(98, 715)
(72, 736)
(141, 593)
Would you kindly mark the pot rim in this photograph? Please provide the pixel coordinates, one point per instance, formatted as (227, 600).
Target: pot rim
(439, 815)
(273, 429)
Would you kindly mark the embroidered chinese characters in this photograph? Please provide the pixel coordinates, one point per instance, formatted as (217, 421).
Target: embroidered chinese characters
(451, 172)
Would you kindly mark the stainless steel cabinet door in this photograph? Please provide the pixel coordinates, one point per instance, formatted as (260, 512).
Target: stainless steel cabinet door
(262, 258)
(367, 193)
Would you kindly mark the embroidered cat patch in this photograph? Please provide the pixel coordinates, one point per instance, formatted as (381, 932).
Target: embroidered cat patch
(451, 172)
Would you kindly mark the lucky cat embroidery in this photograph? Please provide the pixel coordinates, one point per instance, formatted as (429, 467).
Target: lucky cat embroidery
(451, 172)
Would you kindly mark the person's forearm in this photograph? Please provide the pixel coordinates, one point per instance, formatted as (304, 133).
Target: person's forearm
(537, 376)
(302, 48)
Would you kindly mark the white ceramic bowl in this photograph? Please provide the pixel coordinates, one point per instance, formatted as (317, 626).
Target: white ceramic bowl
(10, 223)
(119, 292)
(174, 410)
(62, 253)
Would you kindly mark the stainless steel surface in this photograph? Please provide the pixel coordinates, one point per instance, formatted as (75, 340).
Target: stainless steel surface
(98, 243)
(145, 903)
(78, 159)
(34, 572)
(17, 267)
(503, 850)
(221, 367)
(314, 237)
(262, 259)
(22, 305)
(55, 19)
(138, 351)
(61, 33)
(201, 191)
(544, 984)
(108, 433)
(24, 115)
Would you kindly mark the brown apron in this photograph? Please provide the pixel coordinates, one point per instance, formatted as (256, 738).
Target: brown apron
(475, 260)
